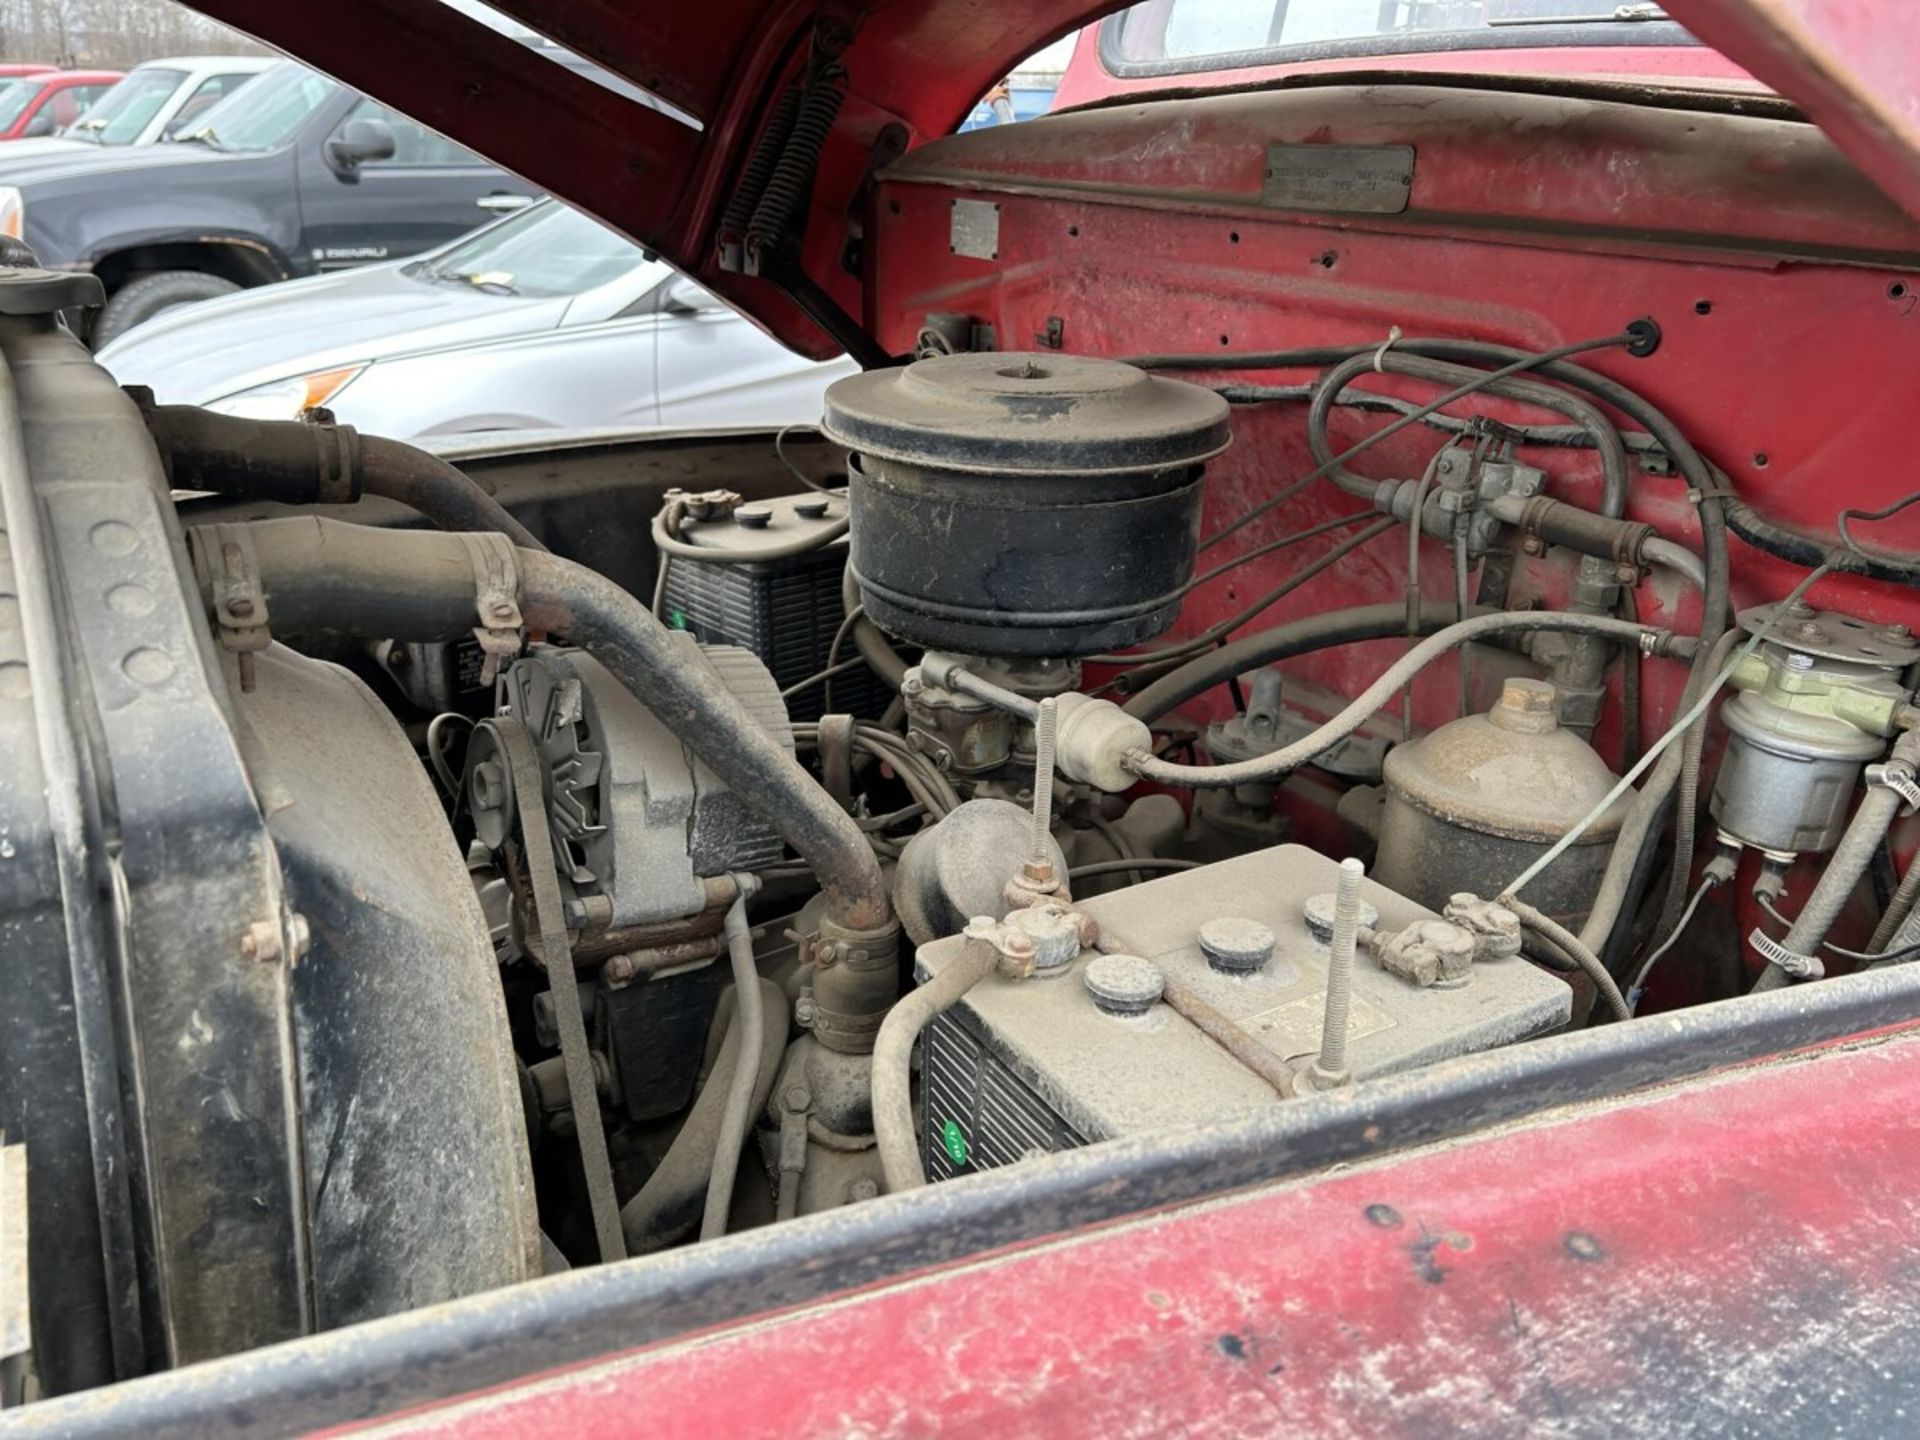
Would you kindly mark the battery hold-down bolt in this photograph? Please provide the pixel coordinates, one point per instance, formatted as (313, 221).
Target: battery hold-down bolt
(1329, 1068)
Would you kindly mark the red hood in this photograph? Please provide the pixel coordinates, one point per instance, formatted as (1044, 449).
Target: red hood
(918, 64)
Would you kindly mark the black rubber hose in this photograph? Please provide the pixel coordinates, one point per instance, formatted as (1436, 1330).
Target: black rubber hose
(1791, 545)
(1282, 642)
(1698, 474)
(317, 462)
(1606, 439)
(617, 630)
(1694, 469)
(445, 495)
(330, 577)
(666, 1210)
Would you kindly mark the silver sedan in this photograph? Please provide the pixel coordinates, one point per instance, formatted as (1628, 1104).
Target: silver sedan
(546, 319)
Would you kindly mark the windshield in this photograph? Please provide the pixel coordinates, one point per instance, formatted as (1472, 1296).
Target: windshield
(15, 97)
(1164, 35)
(265, 113)
(545, 252)
(118, 117)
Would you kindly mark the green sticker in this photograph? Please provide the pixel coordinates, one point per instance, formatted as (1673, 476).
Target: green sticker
(677, 619)
(954, 1142)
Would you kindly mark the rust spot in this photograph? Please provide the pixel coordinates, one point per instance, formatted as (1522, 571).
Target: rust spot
(1159, 1299)
(1424, 1253)
(1583, 1246)
(1385, 1216)
(1459, 1242)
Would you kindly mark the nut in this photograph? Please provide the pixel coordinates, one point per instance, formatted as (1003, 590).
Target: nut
(261, 941)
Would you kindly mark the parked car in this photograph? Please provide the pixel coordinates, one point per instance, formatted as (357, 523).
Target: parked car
(44, 103)
(1388, 560)
(159, 99)
(544, 320)
(292, 174)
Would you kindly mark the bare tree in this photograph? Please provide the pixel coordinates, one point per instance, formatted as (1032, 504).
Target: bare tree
(115, 34)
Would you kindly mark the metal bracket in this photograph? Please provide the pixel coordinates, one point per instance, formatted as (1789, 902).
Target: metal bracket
(494, 600)
(239, 599)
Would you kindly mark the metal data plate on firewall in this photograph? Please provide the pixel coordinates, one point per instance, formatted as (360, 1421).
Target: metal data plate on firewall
(1352, 179)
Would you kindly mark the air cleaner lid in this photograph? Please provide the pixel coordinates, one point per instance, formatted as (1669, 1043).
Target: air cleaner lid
(1038, 414)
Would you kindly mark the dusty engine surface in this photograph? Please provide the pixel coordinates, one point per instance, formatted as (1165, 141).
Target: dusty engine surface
(396, 914)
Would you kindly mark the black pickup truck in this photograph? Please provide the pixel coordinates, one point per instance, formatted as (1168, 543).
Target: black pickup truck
(291, 175)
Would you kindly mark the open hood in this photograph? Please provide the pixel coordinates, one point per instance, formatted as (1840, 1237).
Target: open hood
(913, 69)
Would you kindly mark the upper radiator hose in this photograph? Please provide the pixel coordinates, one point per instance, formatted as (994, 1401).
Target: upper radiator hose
(327, 576)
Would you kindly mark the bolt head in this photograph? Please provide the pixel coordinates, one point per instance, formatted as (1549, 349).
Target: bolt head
(1797, 661)
(1527, 706)
(489, 785)
(240, 608)
(501, 610)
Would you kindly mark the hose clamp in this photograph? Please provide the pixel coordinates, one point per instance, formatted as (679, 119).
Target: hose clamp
(1800, 967)
(1897, 776)
(495, 600)
(239, 599)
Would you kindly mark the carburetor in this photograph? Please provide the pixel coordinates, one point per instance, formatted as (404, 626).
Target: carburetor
(1815, 703)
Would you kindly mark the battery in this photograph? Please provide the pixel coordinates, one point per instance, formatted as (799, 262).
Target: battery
(1021, 1067)
(785, 611)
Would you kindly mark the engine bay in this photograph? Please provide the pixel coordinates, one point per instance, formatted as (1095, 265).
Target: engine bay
(1371, 667)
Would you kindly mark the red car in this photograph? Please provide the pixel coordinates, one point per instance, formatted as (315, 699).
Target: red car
(41, 102)
(1297, 818)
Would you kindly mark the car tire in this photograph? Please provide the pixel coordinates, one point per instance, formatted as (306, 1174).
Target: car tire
(138, 302)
